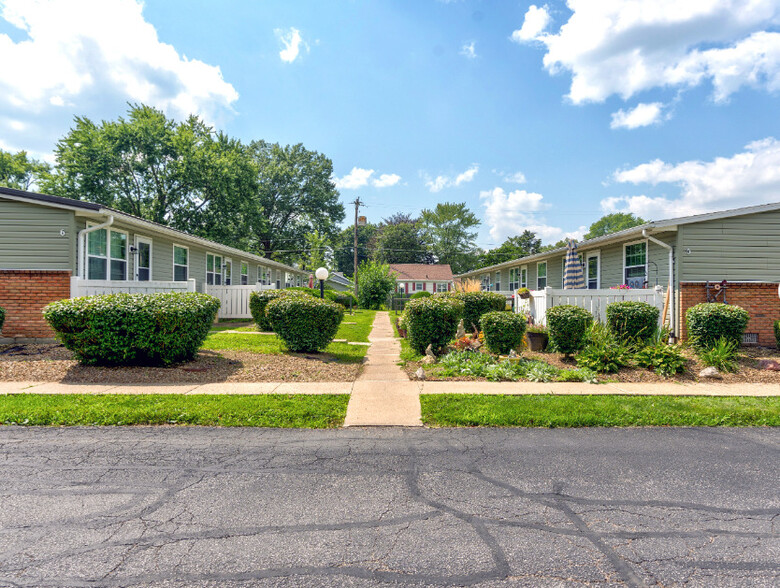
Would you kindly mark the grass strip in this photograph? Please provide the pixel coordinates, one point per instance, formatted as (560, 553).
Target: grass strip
(475, 410)
(273, 345)
(407, 353)
(263, 410)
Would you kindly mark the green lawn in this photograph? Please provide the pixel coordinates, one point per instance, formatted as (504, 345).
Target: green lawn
(407, 353)
(363, 319)
(473, 410)
(272, 345)
(263, 410)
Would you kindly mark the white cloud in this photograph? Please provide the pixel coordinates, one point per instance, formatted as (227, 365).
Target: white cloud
(438, 183)
(469, 50)
(515, 178)
(509, 214)
(630, 46)
(359, 178)
(746, 178)
(534, 24)
(385, 180)
(293, 42)
(76, 47)
(642, 115)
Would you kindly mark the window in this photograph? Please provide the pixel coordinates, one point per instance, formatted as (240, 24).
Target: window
(592, 271)
(524, 277)
(298, 281)
(263, 275)
(106, 255)
(287, 280)
(635, 264)
(419, 286)
(244, 273)
(441, 287)
(228, 272)
(486, 282)
(497, 284)
(181, 263)
(541, 275)
(143, 264)
(514, 279)
(213, 269)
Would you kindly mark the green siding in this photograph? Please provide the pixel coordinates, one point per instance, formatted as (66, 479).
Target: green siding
(30, 237)
(743, 248)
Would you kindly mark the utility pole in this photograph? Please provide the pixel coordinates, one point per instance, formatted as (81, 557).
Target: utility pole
(357, 204)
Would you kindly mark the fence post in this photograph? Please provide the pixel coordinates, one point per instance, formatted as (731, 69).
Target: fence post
(74, 286)
(191, 285)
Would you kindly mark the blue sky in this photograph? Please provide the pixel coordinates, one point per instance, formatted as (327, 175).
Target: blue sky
(540, 116)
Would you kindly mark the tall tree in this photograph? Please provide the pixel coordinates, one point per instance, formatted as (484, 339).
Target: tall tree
(19, 171)
(448, 229)
(402, 240)
(295, 196)
(317, 248)
(343, 247)
(527, 243)
(612, 223)
(557, 245)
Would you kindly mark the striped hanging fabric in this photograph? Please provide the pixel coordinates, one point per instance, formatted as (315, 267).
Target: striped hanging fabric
(573, 276)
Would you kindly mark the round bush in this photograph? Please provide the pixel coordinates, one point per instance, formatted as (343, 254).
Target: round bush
(503, 331)
(709, 321)
(432, 321)
(259, 300)
(475, 304)
(2, 317)
(142, 329)
(568, 327)
(304, 323)
(632, 321)
(423, 294)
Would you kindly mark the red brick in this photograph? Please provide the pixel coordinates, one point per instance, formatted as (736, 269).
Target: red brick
(24, 293)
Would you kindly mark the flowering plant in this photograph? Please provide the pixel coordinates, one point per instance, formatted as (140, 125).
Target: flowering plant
(620, 287)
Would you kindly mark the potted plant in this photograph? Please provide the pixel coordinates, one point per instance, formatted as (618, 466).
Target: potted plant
(537, 337)
(524, 293)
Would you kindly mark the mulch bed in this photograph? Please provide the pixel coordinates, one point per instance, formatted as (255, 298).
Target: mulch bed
(747, 360)
(54, 363)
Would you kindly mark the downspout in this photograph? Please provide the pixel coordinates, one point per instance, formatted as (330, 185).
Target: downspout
(671, 278)
(82, 250)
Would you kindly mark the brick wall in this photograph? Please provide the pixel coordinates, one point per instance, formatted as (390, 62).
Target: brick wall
(759, 299)
(23, 294)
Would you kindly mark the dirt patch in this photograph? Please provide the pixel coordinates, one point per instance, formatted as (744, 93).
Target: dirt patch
(748, 369)
(54, 363)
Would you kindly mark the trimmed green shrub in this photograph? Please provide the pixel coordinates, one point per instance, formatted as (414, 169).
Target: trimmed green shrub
(722, 355)
(777, 332)
(568, 327)
(709, 321)
(375, 282)
(257, 303)
(2, 319)
(632, 321)
(475, 304)
(423, 294)
(142, 329)
(346, 299)
(304, 323)
(432, 321)
(503, 331)
(604, 353)
(305, 289)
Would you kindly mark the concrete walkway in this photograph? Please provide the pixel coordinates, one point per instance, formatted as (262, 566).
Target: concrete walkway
(383, 395)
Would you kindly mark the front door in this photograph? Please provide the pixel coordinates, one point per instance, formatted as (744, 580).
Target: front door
(143, 265)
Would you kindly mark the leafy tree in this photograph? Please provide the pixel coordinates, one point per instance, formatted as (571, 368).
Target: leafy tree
(401, 242)
(295, 196)
(375, 282)
(316, 247)
(612, 223)
(448, 229)
(21, 172)
(343, 247)
(515, 247)
(556, 245)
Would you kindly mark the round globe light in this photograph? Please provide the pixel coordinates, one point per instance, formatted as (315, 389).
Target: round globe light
(321, 273)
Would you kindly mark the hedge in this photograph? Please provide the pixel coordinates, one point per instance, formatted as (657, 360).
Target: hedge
(304, 323)
(503, 330)
(259, 300)
(2, 317)
(567, 326)
(345, 298)
(632, 321)
(709, 321)
(423, 294)
(475, 304)
(141, 329)
(432, 321)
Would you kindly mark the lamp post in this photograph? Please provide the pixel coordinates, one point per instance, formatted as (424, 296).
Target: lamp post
(322, 275)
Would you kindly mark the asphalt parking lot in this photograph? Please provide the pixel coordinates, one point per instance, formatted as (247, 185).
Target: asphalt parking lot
(175, 506)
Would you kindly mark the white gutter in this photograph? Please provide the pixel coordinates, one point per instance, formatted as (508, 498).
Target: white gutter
(671, 277)
(82, 249)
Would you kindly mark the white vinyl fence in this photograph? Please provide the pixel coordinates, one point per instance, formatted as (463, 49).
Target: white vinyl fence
(81, 287)
(234, 300)
(595, 301)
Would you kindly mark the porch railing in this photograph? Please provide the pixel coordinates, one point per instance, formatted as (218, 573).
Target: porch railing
(234, 300)
(81, 287)
(595, 301)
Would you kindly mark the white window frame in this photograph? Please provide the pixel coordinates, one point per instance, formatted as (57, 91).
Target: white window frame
(173, 249)
(243, 276)
(524, 276)
(137, 256)
(647, 257)
(485, 282)
(497, 282)
(227, 262)
(215, 273)
(546, 268)
(422, 286)
(299, 281)
(440, 286)
(588, 256)
(514, 284)
(107, 256)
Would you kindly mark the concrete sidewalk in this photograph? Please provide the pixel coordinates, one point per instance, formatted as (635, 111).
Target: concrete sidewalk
(369, 387)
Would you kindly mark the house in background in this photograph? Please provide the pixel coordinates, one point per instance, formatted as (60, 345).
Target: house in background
(740, 246)
(53, 248)
(339, 282)
(411, 278)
